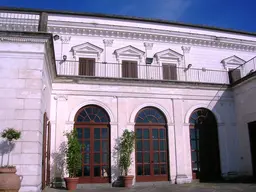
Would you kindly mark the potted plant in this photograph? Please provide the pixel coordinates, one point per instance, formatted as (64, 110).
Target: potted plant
(9, 181)
(126, 148)
(73, 159)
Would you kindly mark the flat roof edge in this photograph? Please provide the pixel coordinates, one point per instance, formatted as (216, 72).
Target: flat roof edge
(132, 18)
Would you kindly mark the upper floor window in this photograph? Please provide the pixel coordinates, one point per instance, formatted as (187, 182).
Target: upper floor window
(233, 65)
(169, 71)
(234, 74)
(129, 69)
(87, 66)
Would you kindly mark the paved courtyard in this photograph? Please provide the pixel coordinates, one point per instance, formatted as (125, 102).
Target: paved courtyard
(165, 187)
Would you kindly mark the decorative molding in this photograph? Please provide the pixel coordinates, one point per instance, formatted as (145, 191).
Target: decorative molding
(108, 42)
(148, 46)
(185, 49)
(129, 51)
(65, 39)
(158, 36)
(233, 60)
(168, 54)
(23, 39)
(87, 48)
(61, 97)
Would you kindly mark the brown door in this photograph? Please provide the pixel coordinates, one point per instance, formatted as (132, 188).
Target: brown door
(92, 125)
(95, 168)
(252, 136)
(46, 152)
(151, 154)
(151, 146)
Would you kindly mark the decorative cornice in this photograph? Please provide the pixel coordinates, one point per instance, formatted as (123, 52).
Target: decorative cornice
(148, 46)
(146, 35)
(108, 42)
(23, 39)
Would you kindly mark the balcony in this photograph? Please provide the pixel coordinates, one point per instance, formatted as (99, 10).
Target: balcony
(242, 71)
(143, 72)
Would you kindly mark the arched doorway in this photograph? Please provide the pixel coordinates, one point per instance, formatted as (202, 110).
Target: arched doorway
(92, 125)
(204, 145)
(151, 146)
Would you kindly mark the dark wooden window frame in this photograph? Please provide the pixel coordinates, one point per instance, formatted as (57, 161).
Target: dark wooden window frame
(86, 66)
(46, 151)
(92, 126)
(129, 69)
(169, 71)
(152, 126)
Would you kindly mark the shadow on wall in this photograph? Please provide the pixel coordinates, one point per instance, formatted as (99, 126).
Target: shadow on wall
(4, 150)
(57, 167)
(115, 171)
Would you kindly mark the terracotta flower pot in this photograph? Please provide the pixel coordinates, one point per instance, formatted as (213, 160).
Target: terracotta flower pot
(128, 181)
(71, 183)
(9, 181)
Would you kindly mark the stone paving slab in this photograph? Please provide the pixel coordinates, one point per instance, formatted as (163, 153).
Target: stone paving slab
(151, 187)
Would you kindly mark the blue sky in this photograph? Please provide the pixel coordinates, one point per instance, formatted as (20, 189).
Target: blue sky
(233, 14)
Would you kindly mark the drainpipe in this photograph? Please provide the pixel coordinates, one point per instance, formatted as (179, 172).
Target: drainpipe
(175, 145)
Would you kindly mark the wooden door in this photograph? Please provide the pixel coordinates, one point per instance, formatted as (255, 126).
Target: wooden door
(252, 136)
(46, 152)
(95, 167)
(92, 125)
(151, 154)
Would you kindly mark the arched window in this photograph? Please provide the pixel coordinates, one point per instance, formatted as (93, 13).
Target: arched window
(151, 145)
(92, 125)
(92, 114)
(150, 115)
(204, 145)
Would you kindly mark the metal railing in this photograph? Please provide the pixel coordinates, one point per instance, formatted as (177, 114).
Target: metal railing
(146, 72)
(242, 70)
(19, 21)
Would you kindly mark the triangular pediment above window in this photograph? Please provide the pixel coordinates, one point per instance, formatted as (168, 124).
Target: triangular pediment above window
(129, 51)
(233, 60)
(86, 48)
(168, 54)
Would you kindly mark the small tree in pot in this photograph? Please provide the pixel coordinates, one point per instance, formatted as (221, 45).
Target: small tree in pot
(126, 148)
(9, 181)
(73, 159)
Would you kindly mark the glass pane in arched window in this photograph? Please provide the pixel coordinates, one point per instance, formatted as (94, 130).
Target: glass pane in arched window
(92, 114)
(150, 115)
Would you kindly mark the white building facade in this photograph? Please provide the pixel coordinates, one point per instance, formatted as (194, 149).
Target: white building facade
(183, 89)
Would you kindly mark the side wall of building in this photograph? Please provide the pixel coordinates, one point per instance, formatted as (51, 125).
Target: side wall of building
(245, 107)
(25, 92)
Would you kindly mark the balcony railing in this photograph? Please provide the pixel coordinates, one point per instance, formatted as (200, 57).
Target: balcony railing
(243, 70)
(146, 72)
(19, 21)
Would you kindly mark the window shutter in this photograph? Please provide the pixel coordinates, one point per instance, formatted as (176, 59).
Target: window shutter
(133, 69)
(86, 66)
(234, 75)
(125, 68)
(166, 71)
(173, 71)
(91, 67)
